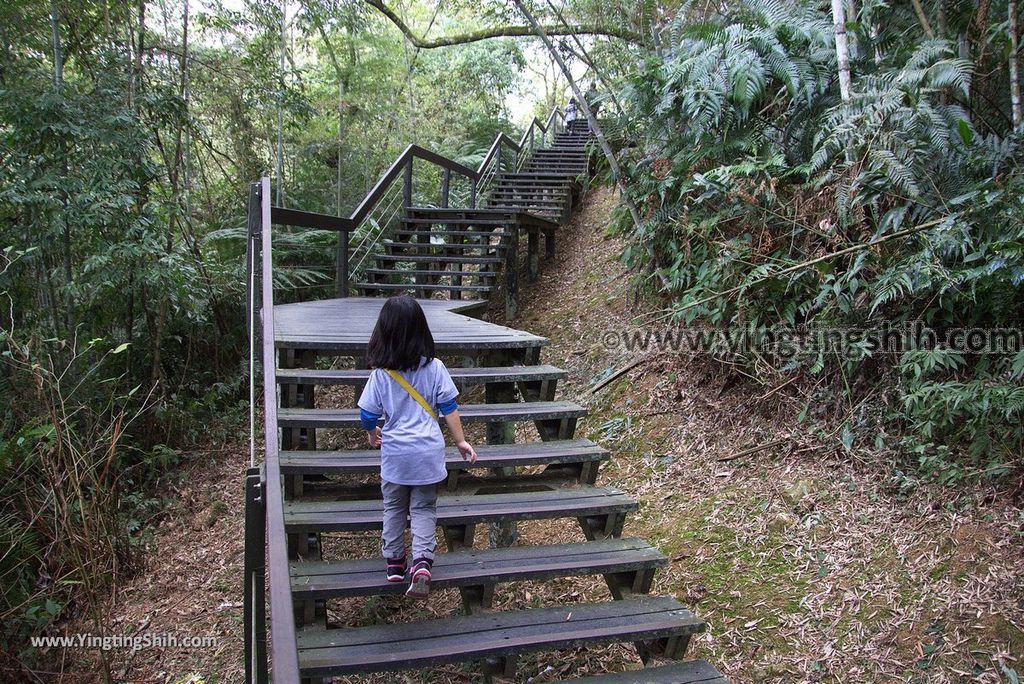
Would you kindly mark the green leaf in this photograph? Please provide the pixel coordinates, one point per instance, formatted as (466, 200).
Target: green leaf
(966, 134)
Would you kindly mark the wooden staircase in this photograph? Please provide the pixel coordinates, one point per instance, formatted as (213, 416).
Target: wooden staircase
(458, 253)
(327, 493)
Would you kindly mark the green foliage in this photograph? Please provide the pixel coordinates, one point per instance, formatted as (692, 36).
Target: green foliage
(123, 182)
(749, 164)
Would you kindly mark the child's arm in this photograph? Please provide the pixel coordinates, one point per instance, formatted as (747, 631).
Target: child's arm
(369, 421)
(454, 424)
(371, 410)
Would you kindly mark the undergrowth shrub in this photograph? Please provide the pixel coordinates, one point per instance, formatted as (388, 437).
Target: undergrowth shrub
(768, 201)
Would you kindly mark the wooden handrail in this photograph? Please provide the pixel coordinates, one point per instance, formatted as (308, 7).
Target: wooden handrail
(307, 219)
(285, 653)
(346, 225)
(293, 217)
(495, 146)
(396, 168)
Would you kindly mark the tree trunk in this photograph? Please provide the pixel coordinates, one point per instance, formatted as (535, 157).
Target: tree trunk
(280, 107)
(595, 127)
(584, 57)
(58, 58)
(842, 50)
(1015, 105)
(923, 18)
(852, 15)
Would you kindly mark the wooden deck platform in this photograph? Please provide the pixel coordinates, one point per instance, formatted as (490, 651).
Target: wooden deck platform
(344, 326)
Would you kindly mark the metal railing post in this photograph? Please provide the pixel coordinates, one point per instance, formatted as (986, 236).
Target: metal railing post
(407, 185)
(472, 194)
(446, 179)
(341, 266)
(254, 605)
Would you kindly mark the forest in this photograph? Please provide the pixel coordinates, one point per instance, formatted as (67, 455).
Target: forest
(777, 164)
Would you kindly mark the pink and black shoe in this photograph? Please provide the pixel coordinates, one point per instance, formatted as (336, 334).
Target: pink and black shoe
(396, 569)
(419, 584)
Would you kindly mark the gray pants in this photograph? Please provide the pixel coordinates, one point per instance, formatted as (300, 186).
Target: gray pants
(418, 503)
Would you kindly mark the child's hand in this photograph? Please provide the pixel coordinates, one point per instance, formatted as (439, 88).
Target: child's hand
(373, 437)
(466, 449)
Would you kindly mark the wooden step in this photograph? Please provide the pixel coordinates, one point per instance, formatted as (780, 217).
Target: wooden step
(495, 220)
(565, 172)
(465, 377)
(560, 157)
(476, 567)
(395, 247)
(362, 515)
(454, 233)
(429, 272)
(547, 190)
(437, 259)
(367, 461)
(460, 210)
(479, 289)
(690, 672)
(546, 175)
(431, 643)
(517, 411)
(543, 187)
(561, 153)
(527, 193)
(519, 201)
(555, 166)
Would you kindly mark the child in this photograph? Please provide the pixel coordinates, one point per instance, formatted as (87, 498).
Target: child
(570, 111)
(409, 387)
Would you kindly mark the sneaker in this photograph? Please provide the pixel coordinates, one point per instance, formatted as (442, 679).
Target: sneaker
(419, 585)
(396, 569)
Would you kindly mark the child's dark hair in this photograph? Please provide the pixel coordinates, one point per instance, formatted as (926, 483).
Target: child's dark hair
(401, 336)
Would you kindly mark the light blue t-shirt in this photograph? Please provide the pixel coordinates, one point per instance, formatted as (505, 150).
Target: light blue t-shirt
(412, 446)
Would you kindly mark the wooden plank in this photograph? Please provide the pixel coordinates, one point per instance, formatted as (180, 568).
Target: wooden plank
(344, 325)
(422, 287)
(437, 258)
(367, 461)
(435, 642)
(432, 248)
(463, 376)
(456, 233)
(429, 272)
(690, 672)
(471, 567)
(342, 516)
(469, 413)
(282, 625)
(307, 219)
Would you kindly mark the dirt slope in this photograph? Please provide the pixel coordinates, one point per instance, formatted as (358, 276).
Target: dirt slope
(809, 564)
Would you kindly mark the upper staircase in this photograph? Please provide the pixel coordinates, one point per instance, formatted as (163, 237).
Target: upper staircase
(315, 503)
(475, 251)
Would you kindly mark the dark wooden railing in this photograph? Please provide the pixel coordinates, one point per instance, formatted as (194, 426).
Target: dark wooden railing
(264, 515)
(504, 155)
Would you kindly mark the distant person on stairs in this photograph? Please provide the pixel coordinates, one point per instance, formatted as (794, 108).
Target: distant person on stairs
(409, 388)
(593, 101)
(570, 111)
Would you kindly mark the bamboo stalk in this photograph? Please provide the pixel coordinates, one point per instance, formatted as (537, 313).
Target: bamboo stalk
(1015, 104)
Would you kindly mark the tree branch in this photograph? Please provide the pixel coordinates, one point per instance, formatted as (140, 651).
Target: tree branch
(498, 32)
